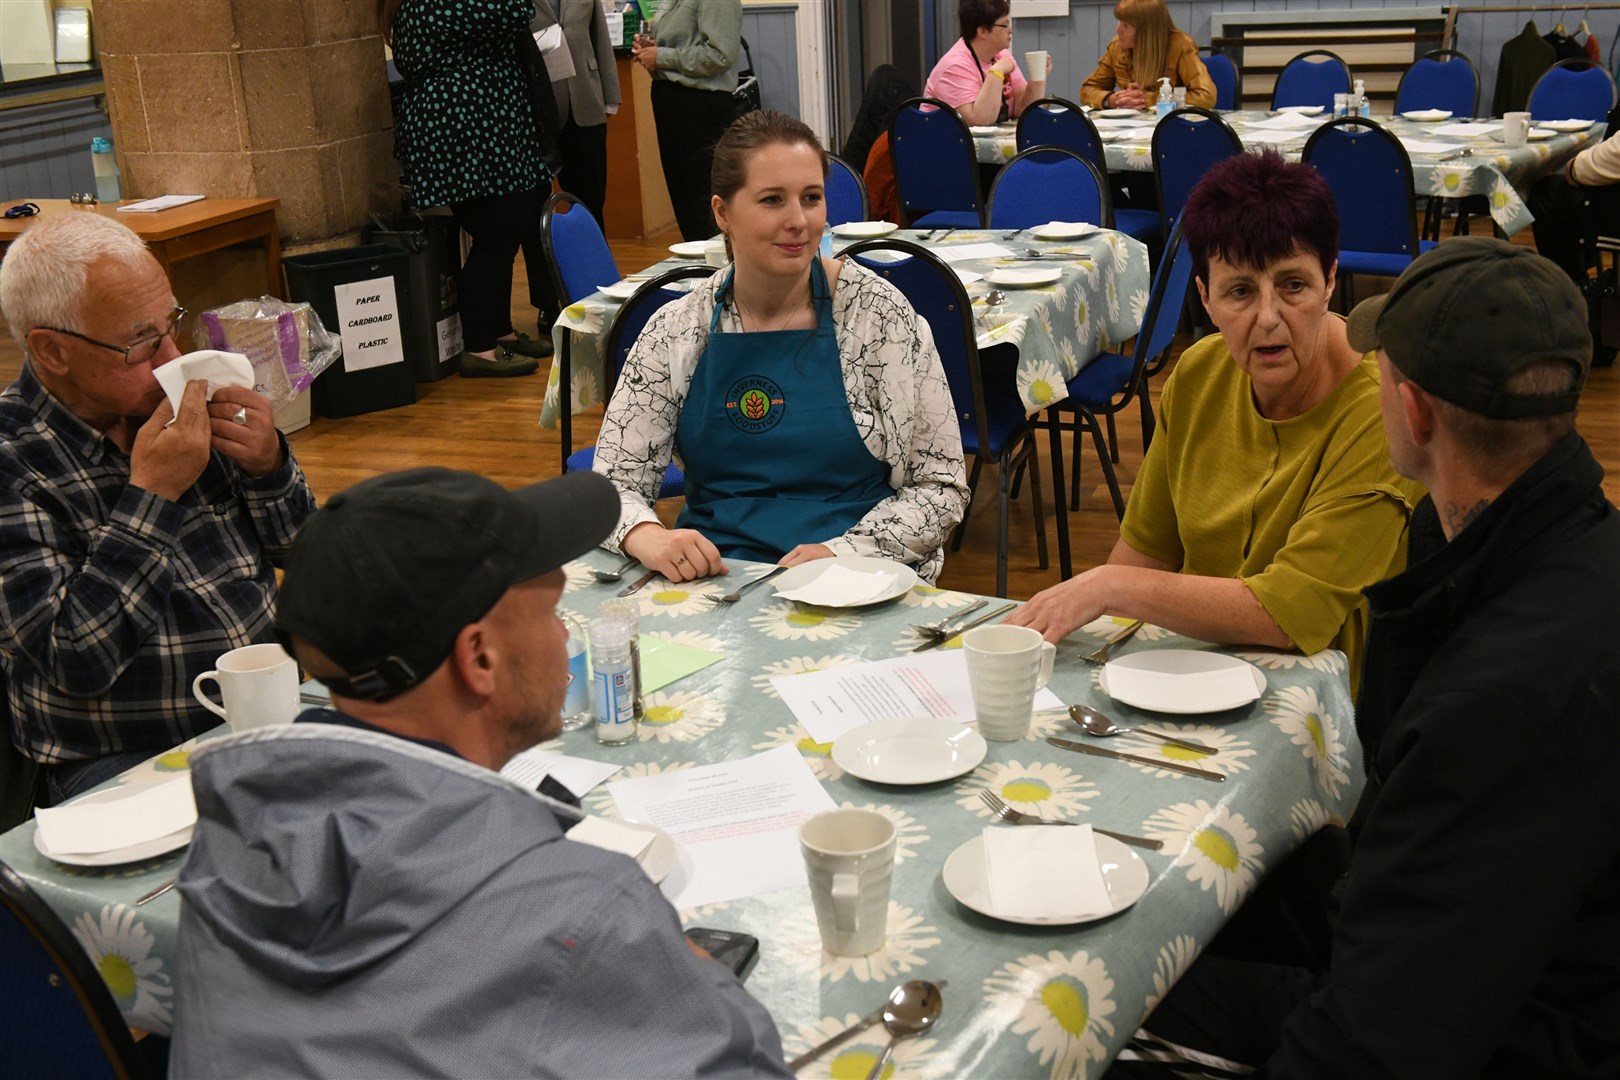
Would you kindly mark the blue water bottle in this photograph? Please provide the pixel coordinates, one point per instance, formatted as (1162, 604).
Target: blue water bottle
(106, 168)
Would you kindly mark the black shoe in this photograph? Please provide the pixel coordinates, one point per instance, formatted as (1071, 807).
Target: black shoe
(524, 345)
(506, 364)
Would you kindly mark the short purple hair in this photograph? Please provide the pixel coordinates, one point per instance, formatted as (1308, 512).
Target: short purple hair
(972, 14)
(1253, 209)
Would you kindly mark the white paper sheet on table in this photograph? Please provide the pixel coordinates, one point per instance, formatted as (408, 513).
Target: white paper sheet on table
(839, 586)
(1117, 121)
(93, 828)
(1190, 691)
(963, 252)
(1134, 134)
(736, 823)
(219, 368)
(611, 836)
(1272, 137)
(161, 202)
(829, 703)
(1288, 120)
(578, 775)
(1424, 146)
(1036, 873)
(1463, 127)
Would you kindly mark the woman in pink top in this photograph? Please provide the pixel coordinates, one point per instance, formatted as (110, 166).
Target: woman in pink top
(978, 76)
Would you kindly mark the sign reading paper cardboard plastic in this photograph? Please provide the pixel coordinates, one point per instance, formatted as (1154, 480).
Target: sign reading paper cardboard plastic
(368, 318)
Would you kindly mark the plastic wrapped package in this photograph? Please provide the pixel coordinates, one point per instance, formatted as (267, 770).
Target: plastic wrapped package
(286, 343)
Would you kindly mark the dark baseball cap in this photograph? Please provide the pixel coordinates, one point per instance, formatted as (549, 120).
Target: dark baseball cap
(384, 576)
(1468, 315)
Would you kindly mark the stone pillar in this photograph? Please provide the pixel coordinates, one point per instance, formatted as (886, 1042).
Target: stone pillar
(284, 99)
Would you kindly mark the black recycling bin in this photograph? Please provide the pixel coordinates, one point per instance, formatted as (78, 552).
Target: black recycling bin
(434, 243)
(364, 294)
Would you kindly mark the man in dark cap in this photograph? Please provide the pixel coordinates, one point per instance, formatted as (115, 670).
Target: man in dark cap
(1475, 932)
(365, 896)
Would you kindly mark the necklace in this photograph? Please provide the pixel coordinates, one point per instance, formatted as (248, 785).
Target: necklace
(743, 318)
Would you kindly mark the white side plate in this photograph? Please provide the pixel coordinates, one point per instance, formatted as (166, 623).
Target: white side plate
(1566, 125)
(1124, 873)
(1304, 110)
(688, 249)
(1119, 114)
(864, 229)
(1178, 690)
(1427, 116)
(909, 750)
(1025, 279)
(806, 573)
(146, 849)
(1063, 230)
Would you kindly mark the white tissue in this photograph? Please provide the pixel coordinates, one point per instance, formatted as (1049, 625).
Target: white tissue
(219, 368)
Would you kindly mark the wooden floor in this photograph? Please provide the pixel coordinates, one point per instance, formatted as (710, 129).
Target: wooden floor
(490, 426)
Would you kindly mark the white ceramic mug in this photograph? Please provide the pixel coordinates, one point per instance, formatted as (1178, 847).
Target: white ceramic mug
(1035, 65)
(1515, 128)
(1006, 666)
(714, 251)
(850, 858)
(259, 684)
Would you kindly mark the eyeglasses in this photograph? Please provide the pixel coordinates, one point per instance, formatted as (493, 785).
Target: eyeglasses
(141, 351)
(1003, 25)
(85, 199)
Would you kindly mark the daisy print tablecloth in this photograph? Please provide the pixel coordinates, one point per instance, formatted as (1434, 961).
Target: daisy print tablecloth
(1022, 1001)
(1038, 337)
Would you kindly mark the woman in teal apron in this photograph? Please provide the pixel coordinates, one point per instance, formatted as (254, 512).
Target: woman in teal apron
(802, 397)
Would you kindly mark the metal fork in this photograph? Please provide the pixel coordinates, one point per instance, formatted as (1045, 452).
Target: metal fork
(1013, 816)
(733, 597)
(1101, 655)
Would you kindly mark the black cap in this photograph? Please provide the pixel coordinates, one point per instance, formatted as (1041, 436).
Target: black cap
(1470, 314)
(384, 576)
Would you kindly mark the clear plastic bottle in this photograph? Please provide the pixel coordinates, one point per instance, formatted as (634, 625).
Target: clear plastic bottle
(106, 169)
(1363, 107)
(614, 684)
(1167, 99)
(629, 609)
(576, 711)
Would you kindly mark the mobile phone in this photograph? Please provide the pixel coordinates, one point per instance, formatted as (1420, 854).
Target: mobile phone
(736, 950)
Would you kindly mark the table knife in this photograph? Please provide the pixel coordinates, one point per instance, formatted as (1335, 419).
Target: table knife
(964, 628)
(638, 583)
(1157, 763)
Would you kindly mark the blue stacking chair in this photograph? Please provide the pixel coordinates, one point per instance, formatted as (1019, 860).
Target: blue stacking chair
(1185, 144)
(1442, 79)
(994, 427)
(1112, 381)
(1371, 177)
(1049, 183)
(846, 193)
(1572, 90)
(579, 262)
(60, 1019)
(1312, 78)
(936, 170)
(626, 326)
(1223, 71)
(1055, 121)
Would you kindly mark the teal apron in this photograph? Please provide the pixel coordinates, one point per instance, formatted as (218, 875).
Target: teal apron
(771, 453)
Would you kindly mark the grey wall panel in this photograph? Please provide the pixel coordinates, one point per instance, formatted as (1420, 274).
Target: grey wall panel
(45, 149)
(773, 39)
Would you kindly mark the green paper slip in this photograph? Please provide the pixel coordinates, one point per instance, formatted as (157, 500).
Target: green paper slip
(664, 662)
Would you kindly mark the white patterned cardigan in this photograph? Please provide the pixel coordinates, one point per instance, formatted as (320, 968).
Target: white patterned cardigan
(897, 395)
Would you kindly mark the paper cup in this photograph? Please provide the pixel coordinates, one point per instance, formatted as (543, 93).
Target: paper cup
(1006, 666)
(849, 858)
(259, 686)
(1035, 65)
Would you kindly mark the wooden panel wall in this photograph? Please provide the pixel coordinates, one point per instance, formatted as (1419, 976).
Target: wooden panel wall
(45, 149)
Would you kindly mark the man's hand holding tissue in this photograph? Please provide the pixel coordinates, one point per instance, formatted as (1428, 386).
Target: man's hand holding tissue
(171, 450)
(245, 430)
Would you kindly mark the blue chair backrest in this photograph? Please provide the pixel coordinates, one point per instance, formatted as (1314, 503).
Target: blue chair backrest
(1055, 121)
(1443, 79)
(935, 165)
(631, 319)
(1311, 78)
(1223, 72)
(1170, 286)
(1049, 183)
(1185, 144)
(846, 192)
(1572, 90)
(580, 259)
(1371, 177)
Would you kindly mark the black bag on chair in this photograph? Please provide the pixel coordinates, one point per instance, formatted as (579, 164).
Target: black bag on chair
(746, 96)
(542, 101)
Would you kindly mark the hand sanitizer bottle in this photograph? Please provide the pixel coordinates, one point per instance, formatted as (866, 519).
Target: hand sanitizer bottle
(1363, 106)
(1167, 99)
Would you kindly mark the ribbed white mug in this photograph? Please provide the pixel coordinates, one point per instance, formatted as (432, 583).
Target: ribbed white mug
(849, 856)
(1006, 666)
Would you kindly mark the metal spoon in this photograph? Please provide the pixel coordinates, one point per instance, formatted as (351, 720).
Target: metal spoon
(1093, 722)
(912, 1009)
(995, 298)
(608, 577)
(873, 1017)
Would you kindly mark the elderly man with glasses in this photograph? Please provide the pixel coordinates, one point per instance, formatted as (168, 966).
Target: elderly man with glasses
(137, 544)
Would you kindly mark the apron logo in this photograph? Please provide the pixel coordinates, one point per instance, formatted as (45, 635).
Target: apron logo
(754, 405)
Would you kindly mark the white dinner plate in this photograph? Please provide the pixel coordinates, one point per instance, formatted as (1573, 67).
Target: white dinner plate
(1119, 114)
(1535, 134)
(1427, 116)
(1566, 125)
(1063, 230)
(1124, 873)
(146, 849)
(620, 290)
(1185, 681)
(1304, 110)
(909, 750)
(863, 229)
(1015, 278)
(797, 577)
(688, 249)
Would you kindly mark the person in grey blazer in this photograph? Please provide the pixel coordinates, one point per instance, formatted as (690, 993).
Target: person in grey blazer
(584, 100)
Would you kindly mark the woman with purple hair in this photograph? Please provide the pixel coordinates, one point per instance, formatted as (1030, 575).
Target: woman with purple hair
(1267, 501)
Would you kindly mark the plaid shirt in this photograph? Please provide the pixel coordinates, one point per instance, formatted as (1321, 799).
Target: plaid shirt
(113, 599)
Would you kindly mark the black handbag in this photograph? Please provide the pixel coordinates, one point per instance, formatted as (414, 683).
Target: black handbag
(746, 96)
(542, 102)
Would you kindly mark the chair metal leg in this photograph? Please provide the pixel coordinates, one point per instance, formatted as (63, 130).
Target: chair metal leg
(1060, 510)
(973, 488)
(565, 398)
(1035, 497)
(1113, 440)
(1003, 508)
(1074, 481)
(1107, 467)
(1148, 425)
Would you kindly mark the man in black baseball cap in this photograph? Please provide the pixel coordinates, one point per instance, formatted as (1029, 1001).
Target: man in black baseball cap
(1485, 848)
(364, 896)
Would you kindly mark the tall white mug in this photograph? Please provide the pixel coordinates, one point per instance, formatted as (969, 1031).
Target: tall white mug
(1035, 65)
(849, 855)
(259, 685)
(1006, 665)
(1515, 128)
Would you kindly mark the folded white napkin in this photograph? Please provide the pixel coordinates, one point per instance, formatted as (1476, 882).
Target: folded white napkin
(1192, 691)
(1045, 872)
(1429, 146)
(90, 828)
(1287, 120)
(611, 836)
(219, 368)
(1465, 127)
(839, 586)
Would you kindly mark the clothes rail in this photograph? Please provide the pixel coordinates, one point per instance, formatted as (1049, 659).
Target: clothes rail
(1449, 37)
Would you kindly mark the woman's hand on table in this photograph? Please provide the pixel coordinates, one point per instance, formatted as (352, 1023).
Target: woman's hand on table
(1064, 608)
(678, 554)
(1127, 97)
(805, 553)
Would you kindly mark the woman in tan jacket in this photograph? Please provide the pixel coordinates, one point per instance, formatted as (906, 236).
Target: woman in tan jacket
(1146, 47)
